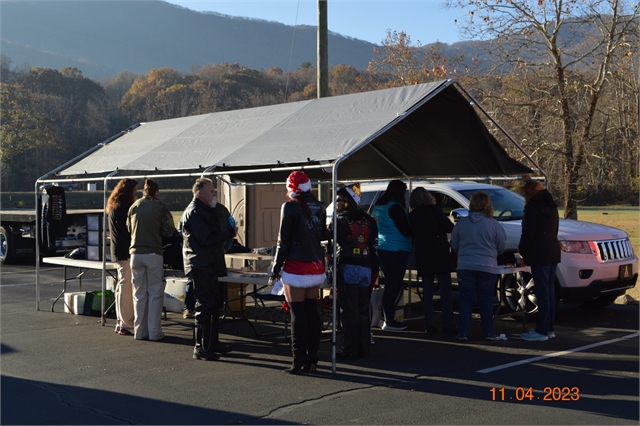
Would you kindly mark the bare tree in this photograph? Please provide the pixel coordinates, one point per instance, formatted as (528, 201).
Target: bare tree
(556, 38)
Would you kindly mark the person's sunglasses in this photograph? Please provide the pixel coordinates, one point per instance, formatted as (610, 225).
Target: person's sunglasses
(340, 200)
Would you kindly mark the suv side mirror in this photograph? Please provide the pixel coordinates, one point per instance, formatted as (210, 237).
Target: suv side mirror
(458, 214)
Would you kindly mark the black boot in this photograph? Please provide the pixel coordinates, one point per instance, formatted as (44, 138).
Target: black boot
(203, 350)
(364, 323)
(348, 298)
(216, 345)
(315, 331)
(299, 332)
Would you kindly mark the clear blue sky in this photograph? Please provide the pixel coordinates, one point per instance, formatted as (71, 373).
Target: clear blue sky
(424, 21)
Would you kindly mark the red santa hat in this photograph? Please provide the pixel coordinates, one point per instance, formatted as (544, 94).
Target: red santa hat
(298, 182)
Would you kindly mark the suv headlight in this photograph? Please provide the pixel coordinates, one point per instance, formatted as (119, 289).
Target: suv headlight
(584, 247)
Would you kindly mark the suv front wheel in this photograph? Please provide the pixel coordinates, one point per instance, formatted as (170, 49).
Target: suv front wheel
(517, 295)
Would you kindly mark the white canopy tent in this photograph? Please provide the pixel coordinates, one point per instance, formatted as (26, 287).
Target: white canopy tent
(422, 131)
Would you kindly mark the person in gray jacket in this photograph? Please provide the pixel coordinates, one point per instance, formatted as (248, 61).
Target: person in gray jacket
(478, 239)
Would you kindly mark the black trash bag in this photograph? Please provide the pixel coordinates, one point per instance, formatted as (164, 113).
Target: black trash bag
(172, 252)
(236, 247)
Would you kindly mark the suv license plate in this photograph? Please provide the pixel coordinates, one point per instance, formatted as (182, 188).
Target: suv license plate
(626, 271)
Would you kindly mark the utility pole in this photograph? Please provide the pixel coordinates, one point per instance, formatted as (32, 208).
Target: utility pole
(323, 50)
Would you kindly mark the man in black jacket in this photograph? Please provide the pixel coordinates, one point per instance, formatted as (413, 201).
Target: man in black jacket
(540, 250)
(204, 232)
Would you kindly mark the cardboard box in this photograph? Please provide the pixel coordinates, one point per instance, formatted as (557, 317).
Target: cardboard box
(93, 252)
(235, 301)
(110, 283)
(74, 302)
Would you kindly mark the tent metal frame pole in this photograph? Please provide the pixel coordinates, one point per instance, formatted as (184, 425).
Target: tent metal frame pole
(273, 169)
(385, 158)
(334, 286)
(104, 248)
(37, 249)
(502, 129)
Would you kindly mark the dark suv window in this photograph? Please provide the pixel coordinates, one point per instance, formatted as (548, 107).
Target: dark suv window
(368, 199)
(445, 202)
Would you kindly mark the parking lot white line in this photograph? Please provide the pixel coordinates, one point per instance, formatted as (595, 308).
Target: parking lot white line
(538, 358)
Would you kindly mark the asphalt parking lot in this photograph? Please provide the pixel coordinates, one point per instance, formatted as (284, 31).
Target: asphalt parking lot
(60, 368)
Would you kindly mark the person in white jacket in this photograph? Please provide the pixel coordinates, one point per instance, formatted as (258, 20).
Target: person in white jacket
(478, 239)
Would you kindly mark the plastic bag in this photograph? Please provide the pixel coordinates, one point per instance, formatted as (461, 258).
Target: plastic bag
(278, 288)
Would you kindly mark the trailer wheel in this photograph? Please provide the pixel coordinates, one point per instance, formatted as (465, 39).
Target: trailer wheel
(6, 253)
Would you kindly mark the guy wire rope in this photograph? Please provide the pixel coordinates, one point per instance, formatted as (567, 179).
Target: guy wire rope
(293, 39)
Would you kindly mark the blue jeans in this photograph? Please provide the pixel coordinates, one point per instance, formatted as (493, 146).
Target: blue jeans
(358, 275)
(480, 286)
(544, 278)
(444, 281)
(393, 265)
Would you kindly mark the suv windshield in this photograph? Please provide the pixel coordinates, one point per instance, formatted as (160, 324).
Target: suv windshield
(507, 205)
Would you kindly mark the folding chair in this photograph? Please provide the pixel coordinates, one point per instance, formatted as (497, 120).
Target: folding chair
(272, 306)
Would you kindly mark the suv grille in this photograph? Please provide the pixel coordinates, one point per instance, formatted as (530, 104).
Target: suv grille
(614, 250)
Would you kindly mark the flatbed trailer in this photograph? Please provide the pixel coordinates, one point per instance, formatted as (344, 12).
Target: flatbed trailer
(18, 233)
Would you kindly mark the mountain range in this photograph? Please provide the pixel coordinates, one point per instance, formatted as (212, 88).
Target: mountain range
(102, 38)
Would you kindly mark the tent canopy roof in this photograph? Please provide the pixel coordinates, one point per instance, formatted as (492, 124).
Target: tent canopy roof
(426, 130)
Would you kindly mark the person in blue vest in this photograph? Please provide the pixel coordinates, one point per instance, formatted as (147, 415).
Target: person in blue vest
(394, 247)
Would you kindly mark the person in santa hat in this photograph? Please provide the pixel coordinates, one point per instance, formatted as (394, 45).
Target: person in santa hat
(299, 263)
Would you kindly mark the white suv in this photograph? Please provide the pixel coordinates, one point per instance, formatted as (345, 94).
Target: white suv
(598, 263)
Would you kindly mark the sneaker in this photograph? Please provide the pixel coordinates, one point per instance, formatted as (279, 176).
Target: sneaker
(534, 336)
(462, 337)
(201, 354)
(491, 337)
(393, 326)
(189, 313)
(372, 340)
(431, 329)
(551, 335)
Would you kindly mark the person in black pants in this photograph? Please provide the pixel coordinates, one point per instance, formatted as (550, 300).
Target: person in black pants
(204, 233)
(299, 263)
(357, 237)
(190, 296)
(541, 251)
(394, 246)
